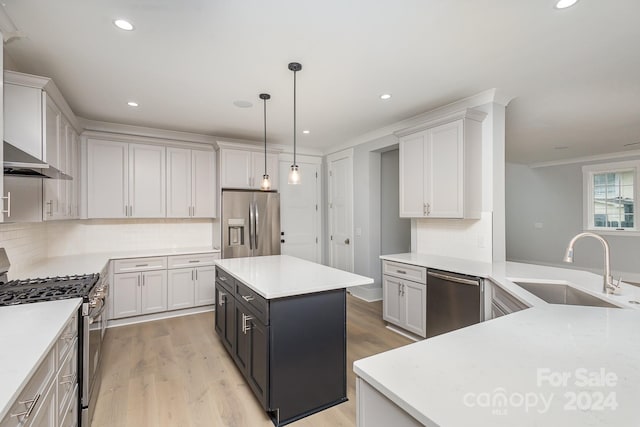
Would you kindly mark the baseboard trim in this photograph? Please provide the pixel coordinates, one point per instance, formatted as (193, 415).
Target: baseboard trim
(159, 316)
(404, 333)
(368, 293)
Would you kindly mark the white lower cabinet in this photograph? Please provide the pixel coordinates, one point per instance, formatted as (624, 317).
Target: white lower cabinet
(192, 280)
(404, 304)
(375, 410)
(157, 284)
(404, 296)
(139, 293)
(50, 394)
(502, 302)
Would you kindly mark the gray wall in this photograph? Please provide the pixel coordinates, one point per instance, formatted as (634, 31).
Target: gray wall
(552, 196)
(366, 206)
(395, 232)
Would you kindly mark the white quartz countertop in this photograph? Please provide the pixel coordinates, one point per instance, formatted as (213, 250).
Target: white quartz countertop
(462, 378)
(459, 378)
(27, 333)
(280, 276)
(94, 263)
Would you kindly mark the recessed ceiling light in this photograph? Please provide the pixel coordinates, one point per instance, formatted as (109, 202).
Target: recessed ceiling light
(385, 96)
(243, 104)
(132, 104)
(563, 4)
(306, 132)
(123, 24)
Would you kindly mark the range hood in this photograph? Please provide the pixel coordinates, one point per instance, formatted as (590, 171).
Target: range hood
(19, 163)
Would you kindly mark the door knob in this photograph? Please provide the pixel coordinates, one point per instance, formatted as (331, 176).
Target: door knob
(346, 241)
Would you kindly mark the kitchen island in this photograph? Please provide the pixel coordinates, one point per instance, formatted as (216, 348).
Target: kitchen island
(283, 321)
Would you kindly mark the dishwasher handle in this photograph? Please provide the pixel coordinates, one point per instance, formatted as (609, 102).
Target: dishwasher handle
(454, 279)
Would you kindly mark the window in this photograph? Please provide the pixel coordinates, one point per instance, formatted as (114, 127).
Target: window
(611, 196)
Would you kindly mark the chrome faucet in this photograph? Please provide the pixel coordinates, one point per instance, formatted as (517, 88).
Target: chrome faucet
(607, 287)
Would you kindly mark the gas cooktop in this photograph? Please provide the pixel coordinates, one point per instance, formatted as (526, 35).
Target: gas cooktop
(47, 289)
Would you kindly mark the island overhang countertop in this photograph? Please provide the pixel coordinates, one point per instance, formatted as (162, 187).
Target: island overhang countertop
(280, 276)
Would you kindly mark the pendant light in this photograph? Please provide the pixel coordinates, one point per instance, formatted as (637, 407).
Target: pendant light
(294, 173)
(266, 182)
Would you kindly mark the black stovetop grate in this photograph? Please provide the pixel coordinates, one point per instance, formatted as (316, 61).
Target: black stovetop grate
(46, 289)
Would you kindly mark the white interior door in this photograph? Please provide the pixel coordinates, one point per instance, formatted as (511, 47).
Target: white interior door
(340, 196)
(300, 212)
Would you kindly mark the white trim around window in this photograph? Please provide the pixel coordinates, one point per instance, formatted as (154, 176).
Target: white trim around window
(622, 222)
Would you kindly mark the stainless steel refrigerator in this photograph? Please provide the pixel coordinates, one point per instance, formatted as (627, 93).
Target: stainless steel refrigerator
(250, 223)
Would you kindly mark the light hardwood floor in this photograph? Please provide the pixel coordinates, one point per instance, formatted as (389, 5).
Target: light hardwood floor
(175, 372)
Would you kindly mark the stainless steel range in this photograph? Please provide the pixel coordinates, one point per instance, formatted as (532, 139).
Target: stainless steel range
(93, 289)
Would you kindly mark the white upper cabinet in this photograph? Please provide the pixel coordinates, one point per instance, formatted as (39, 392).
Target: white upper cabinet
(107, 179)
(244, 168)
(147, 181)
(38, 120)
(441, 168)
(191, 183)
(125, 180)
(235, 168)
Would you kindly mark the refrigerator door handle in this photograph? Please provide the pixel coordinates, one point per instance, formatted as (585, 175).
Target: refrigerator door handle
(251, 230)
(256, 230)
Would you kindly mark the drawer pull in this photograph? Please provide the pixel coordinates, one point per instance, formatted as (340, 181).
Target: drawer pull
(194, 260)
(247, 298)
(31, 406)
(72, 381)
(222, 278)
(67, 337)
(142, 265)
(401, 272)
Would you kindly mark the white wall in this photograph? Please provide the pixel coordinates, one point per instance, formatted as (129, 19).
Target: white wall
(552, 197)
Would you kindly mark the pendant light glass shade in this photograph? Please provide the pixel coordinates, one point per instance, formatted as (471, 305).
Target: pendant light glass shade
(266, 182)
(294, 173)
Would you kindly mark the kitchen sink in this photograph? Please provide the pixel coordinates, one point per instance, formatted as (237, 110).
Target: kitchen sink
(557, 293)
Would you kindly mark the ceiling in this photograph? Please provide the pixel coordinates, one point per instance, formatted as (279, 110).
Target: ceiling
(574, 73)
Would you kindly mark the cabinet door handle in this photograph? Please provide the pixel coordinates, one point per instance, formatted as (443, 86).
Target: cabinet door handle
(403, 290)
(138, 280)
(399, 289)
(196, 274)
(428, 209)
(246, 327)
(31, 405)
(8, 199)
(222, 299)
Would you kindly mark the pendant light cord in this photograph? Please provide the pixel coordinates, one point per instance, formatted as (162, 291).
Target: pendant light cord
(294, 118)
(265, 136)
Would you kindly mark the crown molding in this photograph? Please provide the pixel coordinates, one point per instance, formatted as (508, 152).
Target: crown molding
(586, 159)
(46, 84)
(488, 96)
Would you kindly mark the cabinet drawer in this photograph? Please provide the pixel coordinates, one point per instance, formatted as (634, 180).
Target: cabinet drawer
(405, 271)
(70, 415)
(249, 298)
(139, 264)
(195, 260)
(67, 380)
(506, 302)
(67, 339)
(225, 280)
(36, 388)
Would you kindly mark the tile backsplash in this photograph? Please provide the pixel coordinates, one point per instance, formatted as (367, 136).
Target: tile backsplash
(470, 239)
(28, 243)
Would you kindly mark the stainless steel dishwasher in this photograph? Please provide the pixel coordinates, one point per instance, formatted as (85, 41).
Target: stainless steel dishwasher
(453, 301)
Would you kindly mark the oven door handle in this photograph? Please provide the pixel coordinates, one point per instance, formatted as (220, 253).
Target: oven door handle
(93, 317)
